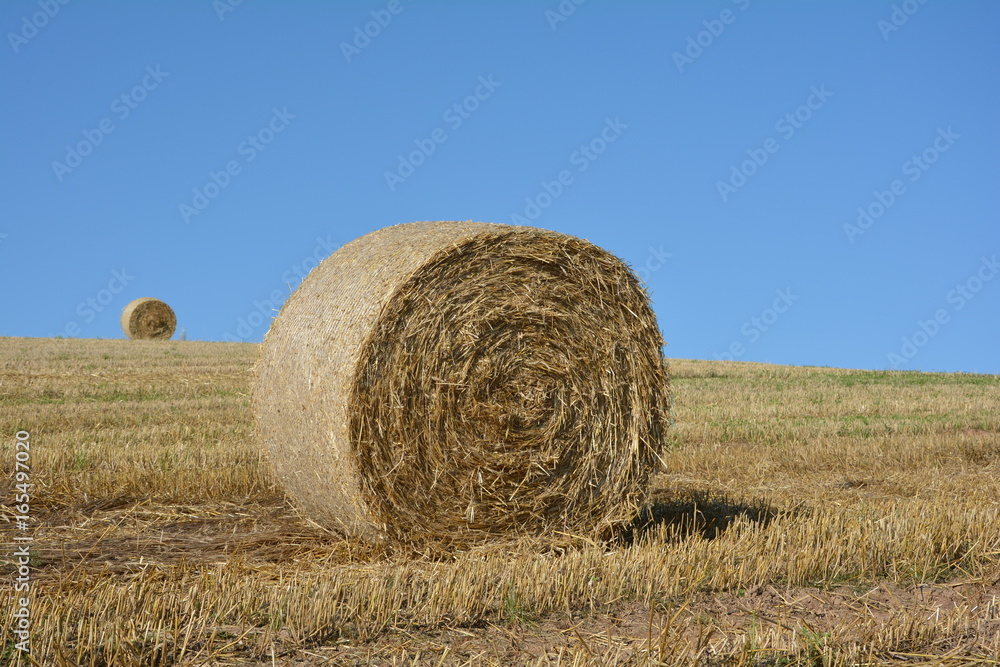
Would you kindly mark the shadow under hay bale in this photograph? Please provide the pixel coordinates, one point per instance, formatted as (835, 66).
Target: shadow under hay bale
(148, 319)
(451, 380)
(693, 514)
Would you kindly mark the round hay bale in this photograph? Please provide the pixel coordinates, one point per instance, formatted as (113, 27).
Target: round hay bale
(451, 380)
(148, 319)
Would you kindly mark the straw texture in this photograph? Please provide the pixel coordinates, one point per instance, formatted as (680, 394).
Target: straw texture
(453, 380)
(148, 319)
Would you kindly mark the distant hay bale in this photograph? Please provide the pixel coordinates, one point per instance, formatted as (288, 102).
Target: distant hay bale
(148, 319)
(452, 380)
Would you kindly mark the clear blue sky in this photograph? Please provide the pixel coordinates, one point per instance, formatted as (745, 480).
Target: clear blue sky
(116, 115)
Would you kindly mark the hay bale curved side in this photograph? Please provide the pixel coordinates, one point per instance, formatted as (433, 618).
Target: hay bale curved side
(148, 319)
(453, 379)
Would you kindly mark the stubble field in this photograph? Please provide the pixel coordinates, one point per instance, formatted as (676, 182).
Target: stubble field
(807, 516)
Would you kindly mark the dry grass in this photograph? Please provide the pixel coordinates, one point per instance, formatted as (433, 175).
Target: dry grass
(806, 516)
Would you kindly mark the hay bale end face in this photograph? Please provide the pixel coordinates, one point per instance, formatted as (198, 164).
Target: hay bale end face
(453, 380)
(148, 319)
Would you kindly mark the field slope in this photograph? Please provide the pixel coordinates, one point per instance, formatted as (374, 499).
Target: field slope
(807, 516)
